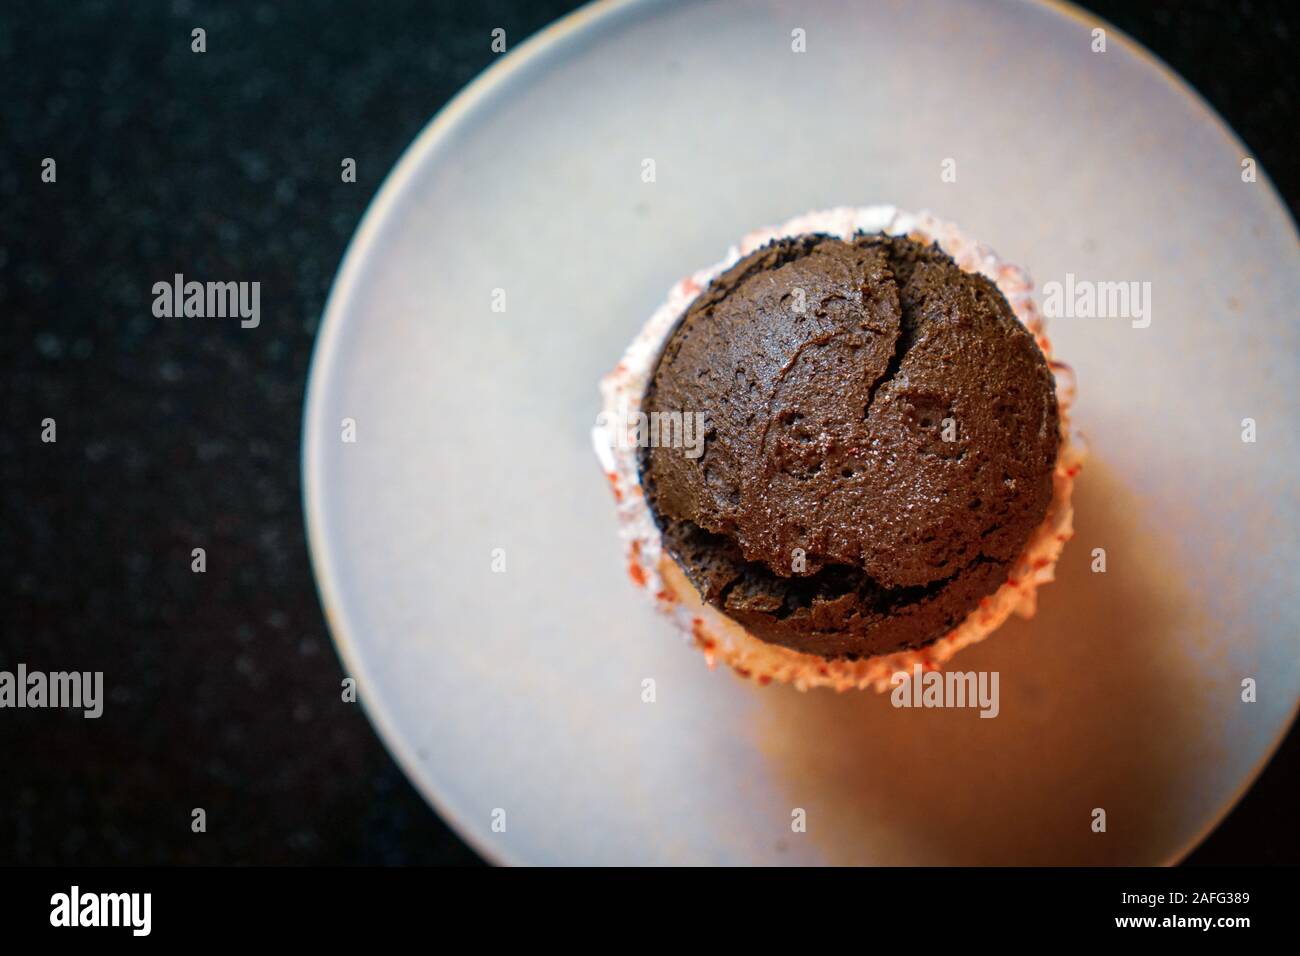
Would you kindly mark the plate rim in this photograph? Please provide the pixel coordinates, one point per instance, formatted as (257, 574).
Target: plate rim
(334, 315)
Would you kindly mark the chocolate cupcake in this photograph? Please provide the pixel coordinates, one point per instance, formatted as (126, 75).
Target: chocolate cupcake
(844, 451)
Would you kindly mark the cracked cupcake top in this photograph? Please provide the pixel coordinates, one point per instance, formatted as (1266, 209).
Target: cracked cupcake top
(880, 438)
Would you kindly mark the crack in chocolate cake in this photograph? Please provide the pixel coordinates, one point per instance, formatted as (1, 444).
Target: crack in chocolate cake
(881, 438)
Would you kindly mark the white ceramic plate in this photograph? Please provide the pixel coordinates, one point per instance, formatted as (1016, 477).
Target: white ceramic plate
(522, 691)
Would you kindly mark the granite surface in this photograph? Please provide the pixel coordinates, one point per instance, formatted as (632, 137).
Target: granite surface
(223, 687)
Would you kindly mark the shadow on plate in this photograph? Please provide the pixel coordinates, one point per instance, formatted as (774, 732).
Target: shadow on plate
(1100, 708)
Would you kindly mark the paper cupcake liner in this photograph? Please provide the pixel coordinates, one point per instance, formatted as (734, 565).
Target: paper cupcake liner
(718, 636)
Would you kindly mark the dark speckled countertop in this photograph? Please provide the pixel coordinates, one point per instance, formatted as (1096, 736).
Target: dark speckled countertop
(223, 687)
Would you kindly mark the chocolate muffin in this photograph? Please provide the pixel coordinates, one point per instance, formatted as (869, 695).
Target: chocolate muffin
(880, 441)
